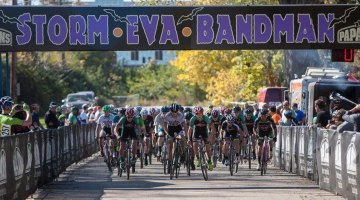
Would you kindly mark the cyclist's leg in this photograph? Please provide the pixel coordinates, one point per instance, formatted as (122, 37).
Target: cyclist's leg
(160, 141)
(134, 138)
(102, 143)
(206, 139)
(270, 135)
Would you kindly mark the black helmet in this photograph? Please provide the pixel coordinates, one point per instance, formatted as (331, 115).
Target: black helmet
(248, 111)
(188, 115)
(264, 111)
(236, 109)
(174, 107)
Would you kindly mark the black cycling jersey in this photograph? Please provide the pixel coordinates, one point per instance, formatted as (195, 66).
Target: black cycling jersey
(149, 124)
(264, 128)
(249, 124)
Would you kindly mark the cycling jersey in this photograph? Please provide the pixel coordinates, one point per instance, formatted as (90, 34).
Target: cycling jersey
(174, 121)
(264, 128)
(216, 122)
(6, 122)
(106, 122)
(160, 122)
(200, 127)
(250, 124)
(129, 128)
(239, 119)
(230, 131)
(149, 124)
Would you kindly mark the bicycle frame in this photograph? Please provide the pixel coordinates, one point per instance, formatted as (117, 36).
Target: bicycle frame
(203, 158)
(264, 154)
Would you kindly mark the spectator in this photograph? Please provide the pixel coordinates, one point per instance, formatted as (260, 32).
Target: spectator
(299, 115)
(274, 115)
(7, 121)
(6, 103)
(353, 116)
(73, 117)
(51, 120)
(338, 123)
(83, 115)
(19, 113)
(36, 125)
(323, 116)
(287, 120)
(90, 111)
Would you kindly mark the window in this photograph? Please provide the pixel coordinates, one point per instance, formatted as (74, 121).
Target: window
(158, 55)
(134, 55)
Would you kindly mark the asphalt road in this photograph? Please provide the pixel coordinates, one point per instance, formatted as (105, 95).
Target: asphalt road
(90, 179)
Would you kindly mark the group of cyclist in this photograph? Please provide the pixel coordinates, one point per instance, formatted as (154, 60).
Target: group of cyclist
(155, 128)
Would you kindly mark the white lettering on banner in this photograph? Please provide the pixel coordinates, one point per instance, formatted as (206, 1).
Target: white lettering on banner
(326, 180)
(325, 172)
(354, 190)
(339, 185)
(352, 181)
(338, 176)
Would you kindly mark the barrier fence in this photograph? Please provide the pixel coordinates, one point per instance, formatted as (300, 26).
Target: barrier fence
(30, 160)
(325, 156)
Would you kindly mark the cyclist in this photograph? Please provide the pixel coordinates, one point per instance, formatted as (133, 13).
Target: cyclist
(174, 123)
(188, 115)
(129, 125)
(230, 129)
(6, 121)
(149, 126)
(199, 127)
(104, 127)
(264, 126)
(249, 122)
(215, 126)
(160, 128)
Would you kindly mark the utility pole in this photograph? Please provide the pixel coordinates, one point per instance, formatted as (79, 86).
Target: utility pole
(13, 79)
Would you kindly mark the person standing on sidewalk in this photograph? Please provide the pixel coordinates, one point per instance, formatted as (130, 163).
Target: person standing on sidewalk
(51, 120)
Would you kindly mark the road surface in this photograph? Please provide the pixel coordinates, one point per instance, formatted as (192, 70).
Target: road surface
(90, 179)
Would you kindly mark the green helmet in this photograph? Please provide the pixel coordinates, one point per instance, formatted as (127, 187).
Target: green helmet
(74, 109)
(62, 117)
(106, 108)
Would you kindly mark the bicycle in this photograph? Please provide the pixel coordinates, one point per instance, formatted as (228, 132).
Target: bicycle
(216, 151)
(232, 156)
(164, 155)
(142, 151)
(128, 163)
(107, 151)
(175, 167)
(265, 154)
(203, 158)
(188, 157)
(249, 145)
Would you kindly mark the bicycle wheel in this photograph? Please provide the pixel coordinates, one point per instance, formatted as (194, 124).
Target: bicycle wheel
(119, 169)
(177, 162)
(141, 155)
(128, 164)
(108, 156)
(204, 165)
(231, 160)
(188, 160)
(172, 168)
(263, 162)
(249, 155)
(215, 153)
(163, 156)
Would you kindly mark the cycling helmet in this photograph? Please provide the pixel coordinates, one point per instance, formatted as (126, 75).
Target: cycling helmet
(198, 110)
(115, 111)
(144, 112)
(227, 111)
(211, 107)
(5, 98)
(188, 115)
(236, 109)
(230, 118)
(122, 111)
(165, 109)
(152, 111)
(288, 113)
(264, 111)
(58, 109)
(7, 103)
(215, 113)
(187, 109)
(130, 112)
(174, 107)
(106, 108)
(248, 111)
(181, 108)
(138, 109)
(157, 111)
